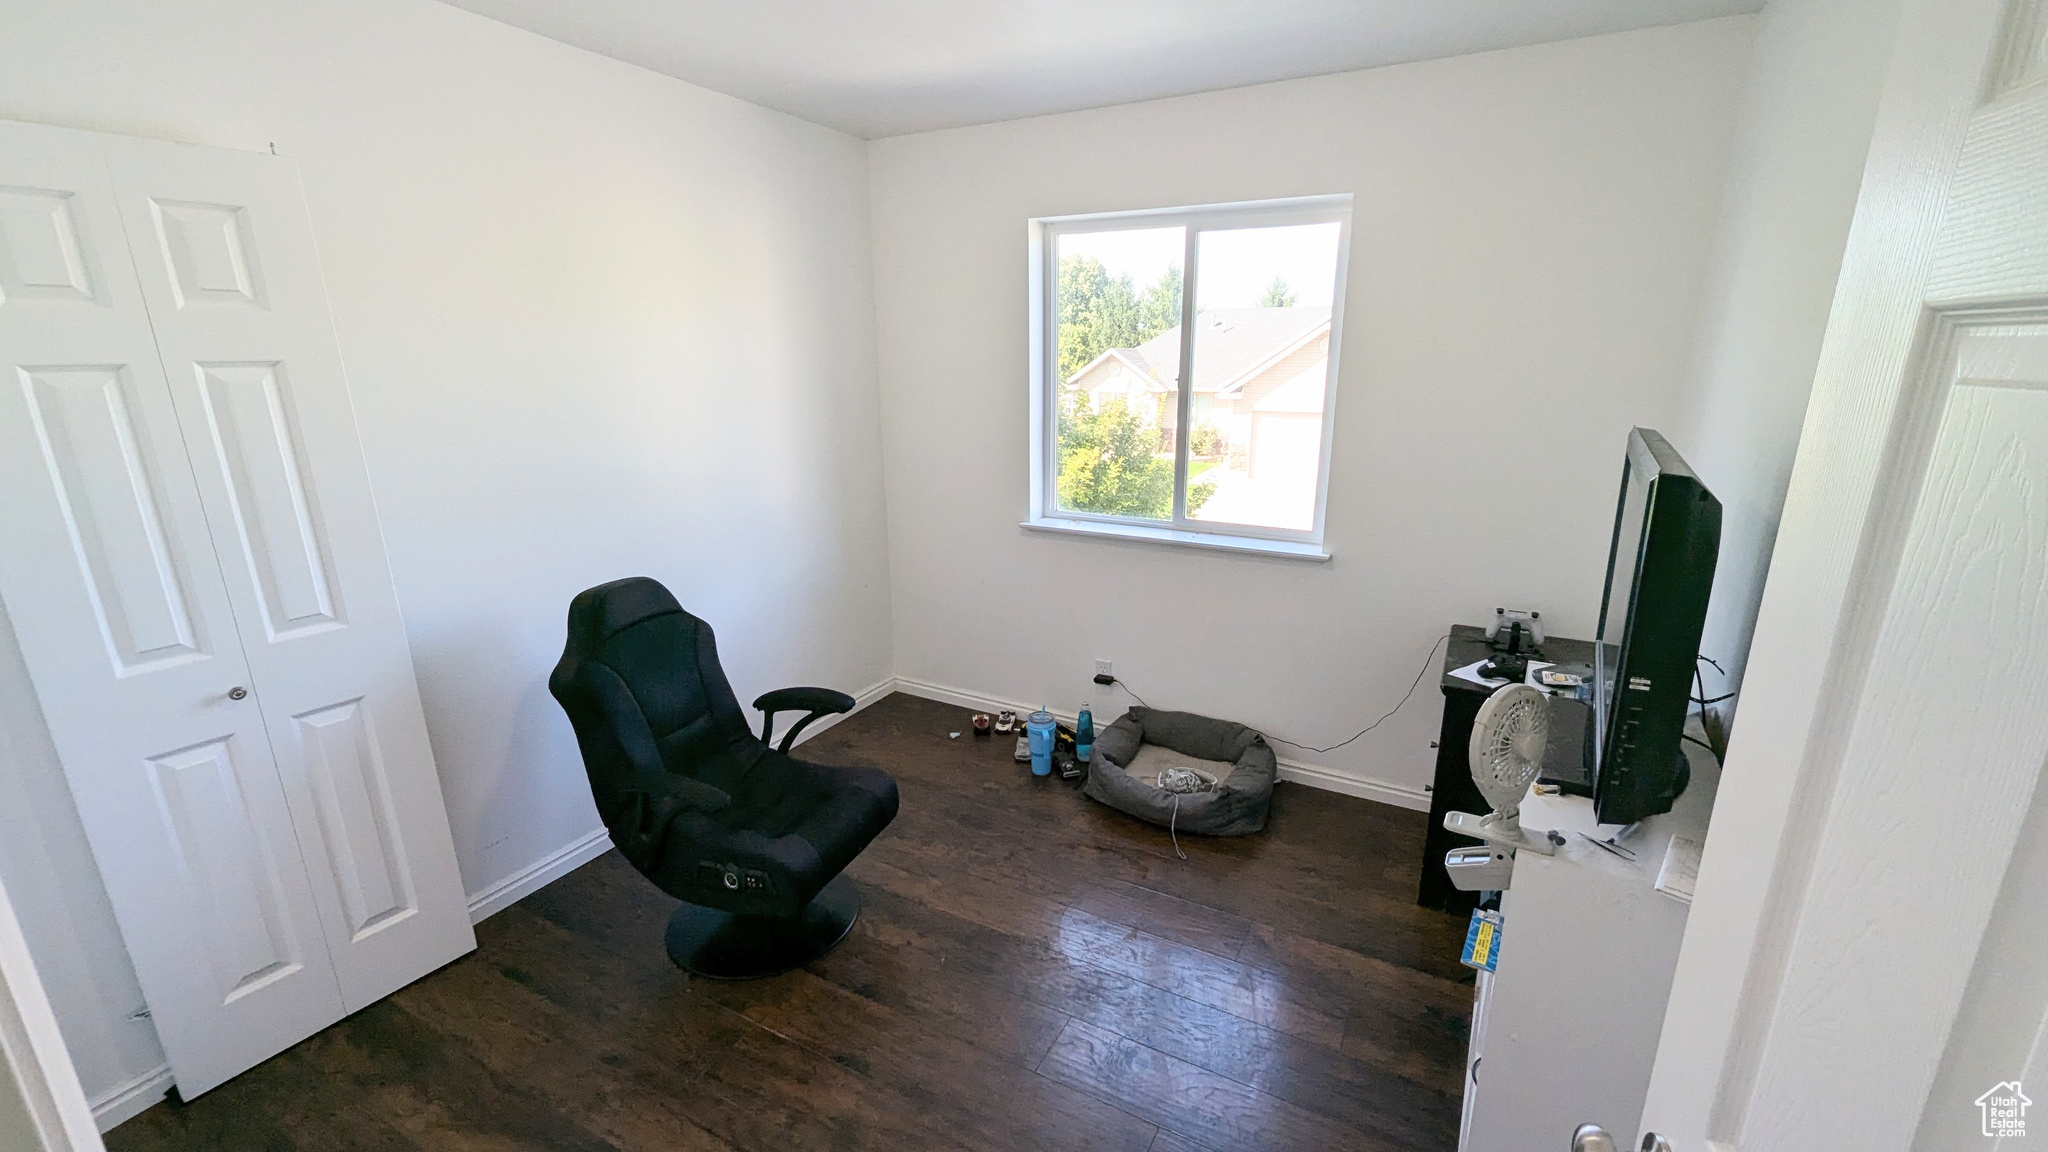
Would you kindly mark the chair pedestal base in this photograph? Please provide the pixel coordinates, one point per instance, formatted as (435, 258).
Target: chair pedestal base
(728, 946)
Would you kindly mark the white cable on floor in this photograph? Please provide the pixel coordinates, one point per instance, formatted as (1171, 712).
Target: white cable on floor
(1182, 782)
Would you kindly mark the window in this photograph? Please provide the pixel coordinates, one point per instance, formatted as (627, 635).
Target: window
(1232, 451)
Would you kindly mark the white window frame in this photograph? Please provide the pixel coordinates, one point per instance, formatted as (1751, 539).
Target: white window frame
(1046, 514)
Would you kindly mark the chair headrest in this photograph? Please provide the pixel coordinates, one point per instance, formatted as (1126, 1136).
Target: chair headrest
(597, 614)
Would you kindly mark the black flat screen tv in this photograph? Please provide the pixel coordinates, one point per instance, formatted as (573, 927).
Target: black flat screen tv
(1660, 572)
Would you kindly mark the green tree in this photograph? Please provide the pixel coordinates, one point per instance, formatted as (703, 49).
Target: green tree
(1109, 459)
(1098, 311)
(1110, 463)
(1159, 307)
(1278, 295)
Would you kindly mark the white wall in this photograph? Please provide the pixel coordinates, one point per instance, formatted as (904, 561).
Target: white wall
(1806, 119)
(596, 321)
(1531, 232)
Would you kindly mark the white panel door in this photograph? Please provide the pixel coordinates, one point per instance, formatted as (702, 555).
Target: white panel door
(118, 601)
(225, 255)
(1863, 967)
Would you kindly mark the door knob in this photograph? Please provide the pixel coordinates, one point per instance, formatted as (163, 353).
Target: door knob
(1592, 1138)
(238, 693)
(1655, 1143)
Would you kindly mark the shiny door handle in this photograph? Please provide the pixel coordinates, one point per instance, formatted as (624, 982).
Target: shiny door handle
(238, 693)
(1655, 1143)
(1592, 1138)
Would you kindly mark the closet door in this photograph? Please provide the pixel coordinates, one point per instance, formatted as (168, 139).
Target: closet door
(224, 252)
(120, 608)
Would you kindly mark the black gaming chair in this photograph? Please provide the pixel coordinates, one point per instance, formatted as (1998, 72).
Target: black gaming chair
(751, 839)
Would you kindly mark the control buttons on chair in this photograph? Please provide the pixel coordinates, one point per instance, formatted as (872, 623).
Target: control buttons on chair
(733, 878)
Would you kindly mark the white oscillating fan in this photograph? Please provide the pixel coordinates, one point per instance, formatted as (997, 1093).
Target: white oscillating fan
(1507, 751)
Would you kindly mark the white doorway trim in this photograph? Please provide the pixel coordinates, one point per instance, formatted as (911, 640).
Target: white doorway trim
(29, 1040)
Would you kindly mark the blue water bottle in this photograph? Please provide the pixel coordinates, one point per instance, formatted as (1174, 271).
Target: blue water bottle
(1039, 728)
(1084, 733)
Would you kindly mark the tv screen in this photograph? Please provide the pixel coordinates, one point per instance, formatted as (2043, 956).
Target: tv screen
(1653, 608)
(1624, 552)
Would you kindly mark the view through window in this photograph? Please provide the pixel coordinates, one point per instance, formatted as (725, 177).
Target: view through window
(1252, 400)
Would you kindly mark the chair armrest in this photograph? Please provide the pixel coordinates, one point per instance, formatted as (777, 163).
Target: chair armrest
(816, 701)
(808, 699)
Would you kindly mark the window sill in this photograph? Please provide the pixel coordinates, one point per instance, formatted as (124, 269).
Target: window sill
(1173, 537)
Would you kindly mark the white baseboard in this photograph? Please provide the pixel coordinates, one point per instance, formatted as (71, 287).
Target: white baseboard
(962, 698)
(127, 1101)
(538, 875)
(1363, 787)
(1313, 775)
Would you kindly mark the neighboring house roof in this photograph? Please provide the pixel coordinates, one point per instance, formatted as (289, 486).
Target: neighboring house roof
(1129, 358)
(1235, 386)
(1231, 344)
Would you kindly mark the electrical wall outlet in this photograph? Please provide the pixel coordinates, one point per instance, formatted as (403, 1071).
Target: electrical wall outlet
(1102, 668)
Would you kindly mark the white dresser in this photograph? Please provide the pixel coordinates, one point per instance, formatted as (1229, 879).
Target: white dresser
(1565, 1029)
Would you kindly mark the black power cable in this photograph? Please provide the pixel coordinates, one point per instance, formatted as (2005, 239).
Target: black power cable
(1702, 699)
(1428, 663)
(1699, 682)
(1127, 690)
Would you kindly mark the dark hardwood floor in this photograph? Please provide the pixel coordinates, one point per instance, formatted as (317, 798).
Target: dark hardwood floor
(1030, 971)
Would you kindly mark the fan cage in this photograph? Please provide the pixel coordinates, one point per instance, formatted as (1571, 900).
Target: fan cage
(1510, 749)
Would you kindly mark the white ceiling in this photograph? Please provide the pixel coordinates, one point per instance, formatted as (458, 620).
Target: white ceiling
(885, 67)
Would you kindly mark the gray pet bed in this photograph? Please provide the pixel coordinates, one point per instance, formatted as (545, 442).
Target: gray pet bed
(1236, 808)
